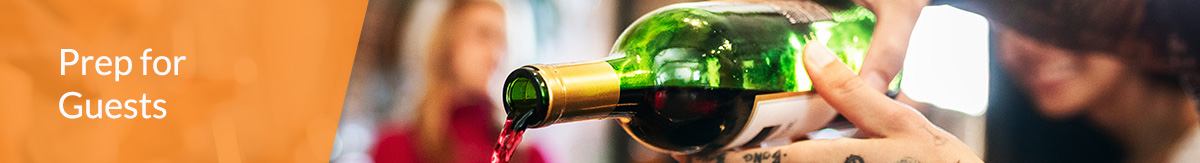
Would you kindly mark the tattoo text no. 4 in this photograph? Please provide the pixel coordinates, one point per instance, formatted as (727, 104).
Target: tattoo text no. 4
(761, 157)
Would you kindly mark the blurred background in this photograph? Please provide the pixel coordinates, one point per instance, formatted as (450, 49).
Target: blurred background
(426, 81)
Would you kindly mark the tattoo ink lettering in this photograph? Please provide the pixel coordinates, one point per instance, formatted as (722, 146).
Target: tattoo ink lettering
(908, 160)
(760, 157)
(777, 157)
(854, 159)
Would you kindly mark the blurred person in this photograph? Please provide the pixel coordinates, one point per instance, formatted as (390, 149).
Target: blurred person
(1126, 66)
(453, 122)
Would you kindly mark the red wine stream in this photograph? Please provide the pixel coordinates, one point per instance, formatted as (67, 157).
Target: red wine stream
(507, 143)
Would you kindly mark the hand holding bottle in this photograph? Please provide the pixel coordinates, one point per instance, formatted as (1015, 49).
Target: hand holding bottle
(895, 132)
(896, 19)
(703, 77)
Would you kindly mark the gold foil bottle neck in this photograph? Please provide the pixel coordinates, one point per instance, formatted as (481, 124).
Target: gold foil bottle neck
(579, 91)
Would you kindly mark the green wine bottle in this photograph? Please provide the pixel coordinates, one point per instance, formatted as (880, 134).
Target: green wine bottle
(699, 77)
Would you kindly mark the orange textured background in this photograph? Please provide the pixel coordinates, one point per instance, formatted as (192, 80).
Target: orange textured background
(264, 80)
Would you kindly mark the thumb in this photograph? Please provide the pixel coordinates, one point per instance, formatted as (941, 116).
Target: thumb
(871, 111)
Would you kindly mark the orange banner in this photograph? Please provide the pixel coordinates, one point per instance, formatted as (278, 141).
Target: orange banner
(173, 81)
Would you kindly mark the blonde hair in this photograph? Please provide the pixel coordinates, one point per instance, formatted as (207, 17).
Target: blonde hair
(432, 114)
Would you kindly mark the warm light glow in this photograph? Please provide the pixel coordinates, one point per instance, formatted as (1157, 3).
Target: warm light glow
(947, 61)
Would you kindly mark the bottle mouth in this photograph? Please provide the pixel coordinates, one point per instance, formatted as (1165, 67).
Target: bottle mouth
(540, 95)
(526, 96)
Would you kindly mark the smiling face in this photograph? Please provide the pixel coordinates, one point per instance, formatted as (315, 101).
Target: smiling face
(1071, 56)
(1060, 81)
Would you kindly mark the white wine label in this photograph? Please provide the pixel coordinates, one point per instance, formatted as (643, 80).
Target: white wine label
(782, 117)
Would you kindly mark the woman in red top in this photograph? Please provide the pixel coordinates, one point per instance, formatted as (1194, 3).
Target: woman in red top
(454, 122)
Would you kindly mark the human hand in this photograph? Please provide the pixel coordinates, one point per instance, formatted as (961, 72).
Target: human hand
(894, 132)
(895, 20)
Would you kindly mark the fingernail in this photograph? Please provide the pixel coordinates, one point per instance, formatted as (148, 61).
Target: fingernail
(816, 53)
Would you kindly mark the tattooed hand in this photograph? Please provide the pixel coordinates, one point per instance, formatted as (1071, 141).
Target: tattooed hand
(895, 132)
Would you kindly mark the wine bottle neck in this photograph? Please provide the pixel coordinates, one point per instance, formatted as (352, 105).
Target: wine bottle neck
(572, 91)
